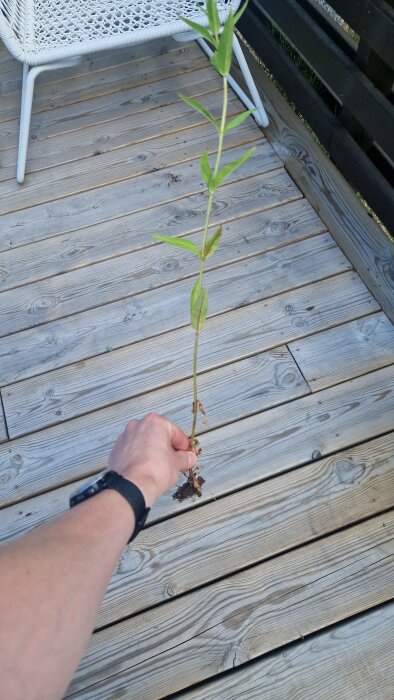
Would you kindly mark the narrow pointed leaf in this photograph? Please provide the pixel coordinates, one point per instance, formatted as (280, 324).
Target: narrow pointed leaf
(178, 243)
(230, 167)
(239, 119)
(198, 306)
(194, 304)
(240, 12)
(213, 16)
(199, 29)
(216, 62)
(206, 172)
(221, 59)
(199, 108)
(212, 244)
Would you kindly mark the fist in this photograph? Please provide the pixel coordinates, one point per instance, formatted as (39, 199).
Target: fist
(151, 453)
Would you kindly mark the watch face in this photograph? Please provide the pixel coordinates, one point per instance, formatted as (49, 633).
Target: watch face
(89, 487)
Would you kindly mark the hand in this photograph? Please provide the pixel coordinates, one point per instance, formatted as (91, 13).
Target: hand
(151, 452)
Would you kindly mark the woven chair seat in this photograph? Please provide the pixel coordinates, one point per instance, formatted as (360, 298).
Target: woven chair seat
(50, 34)
(41, 31)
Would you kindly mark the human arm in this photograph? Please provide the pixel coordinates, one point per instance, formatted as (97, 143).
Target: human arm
(52, 580)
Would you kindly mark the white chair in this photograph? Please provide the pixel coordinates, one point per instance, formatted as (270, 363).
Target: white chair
(50, 34)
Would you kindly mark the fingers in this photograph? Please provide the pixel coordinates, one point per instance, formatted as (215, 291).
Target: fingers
(179, 439)
(184, 460)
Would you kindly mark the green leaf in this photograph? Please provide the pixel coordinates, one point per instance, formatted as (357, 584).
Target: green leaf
(212, 244)
(213, 16)
(206, 172)
(198, 306)
(199, 108)
(178, 243)
(221, 59)
(240, 12)
(239, 119)
(202, 31)
(230, 167)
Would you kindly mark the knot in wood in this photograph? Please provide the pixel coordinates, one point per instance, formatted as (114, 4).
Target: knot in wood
(43, 303)
(288, 378)
(348, 471)
(169, 264)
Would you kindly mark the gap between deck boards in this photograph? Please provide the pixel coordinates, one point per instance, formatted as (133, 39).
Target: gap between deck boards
(325, 665)
(288, 436)
(244, 616)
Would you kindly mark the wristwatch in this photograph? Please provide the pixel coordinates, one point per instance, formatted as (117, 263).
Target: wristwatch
(129, 491)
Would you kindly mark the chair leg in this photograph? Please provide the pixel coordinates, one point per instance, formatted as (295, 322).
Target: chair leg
(29, 77)
(259, 114)
(24, 127)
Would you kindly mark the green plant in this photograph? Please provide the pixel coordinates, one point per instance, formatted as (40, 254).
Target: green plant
(221, 39)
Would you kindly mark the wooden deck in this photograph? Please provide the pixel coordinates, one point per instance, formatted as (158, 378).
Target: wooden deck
(277, 583)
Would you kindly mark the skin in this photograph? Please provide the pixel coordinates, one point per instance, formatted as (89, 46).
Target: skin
(53, 579)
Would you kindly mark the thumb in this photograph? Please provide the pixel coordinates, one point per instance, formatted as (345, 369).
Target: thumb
(185, 460)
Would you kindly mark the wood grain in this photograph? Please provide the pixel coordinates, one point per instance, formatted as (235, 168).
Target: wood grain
(70, 391)
(229, 394)
(346, 351)
(182, 553)
(74, 338)
(125, 161)
(132, 319)
(353, 660)
(105, 81)
(79, 178)
(100, 110)
(240, 454)
(11, 69)
(91, 342)
(361, 239)
(284, 223)
(122, 198)
(152, 268)
(99, 140)
(241, 617)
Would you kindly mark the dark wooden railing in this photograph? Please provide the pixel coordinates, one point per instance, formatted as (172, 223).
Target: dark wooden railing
(342, 87)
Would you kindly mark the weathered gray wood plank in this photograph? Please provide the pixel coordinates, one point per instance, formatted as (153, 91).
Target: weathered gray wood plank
(99, 140)
(191, 550)
(167, 145)
(233, 457)
(80, 115)
(125, 164)
(90, 333)
(354, 660)
(345, 351)
(105, 81)
(283, 224)
(11, 69)
(70, 391)
(241, 617)
(152, 268)
(151, 189)
(230, 392)
(361, 239)
(131, 319)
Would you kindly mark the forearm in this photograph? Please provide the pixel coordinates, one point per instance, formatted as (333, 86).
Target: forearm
(51, 586)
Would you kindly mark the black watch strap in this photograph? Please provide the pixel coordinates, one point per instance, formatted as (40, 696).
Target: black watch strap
(133, 495)
(129, 491)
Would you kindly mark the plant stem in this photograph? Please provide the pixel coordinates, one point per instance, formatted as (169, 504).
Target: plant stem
(202, 261)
